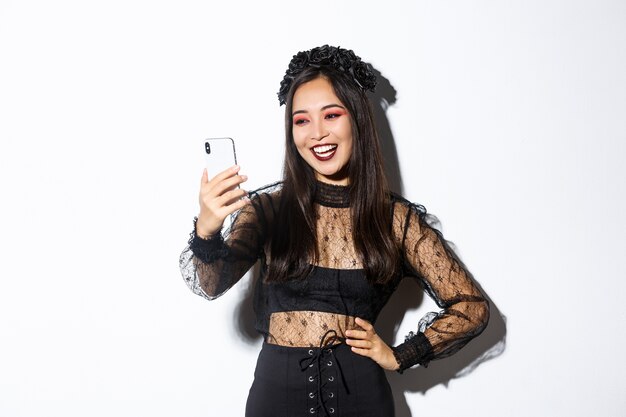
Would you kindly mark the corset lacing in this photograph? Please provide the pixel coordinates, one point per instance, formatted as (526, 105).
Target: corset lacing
(316, 357)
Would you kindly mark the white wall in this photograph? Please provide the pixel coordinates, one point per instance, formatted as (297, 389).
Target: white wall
(508, 125)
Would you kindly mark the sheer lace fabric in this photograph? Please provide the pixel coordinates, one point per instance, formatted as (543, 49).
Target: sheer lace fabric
(298, 313)
(334, 239)
(465, 311)
(306, 328)
(211, 266)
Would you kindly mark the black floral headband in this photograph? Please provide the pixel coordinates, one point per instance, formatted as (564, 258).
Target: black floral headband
(329, 56)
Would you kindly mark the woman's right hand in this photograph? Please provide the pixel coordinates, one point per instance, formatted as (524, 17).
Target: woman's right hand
(219, 197)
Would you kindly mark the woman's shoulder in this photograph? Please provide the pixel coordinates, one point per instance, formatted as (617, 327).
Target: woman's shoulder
(407, 216)
(404, 206)
(262, 207)
(264, 199)
(271, 190)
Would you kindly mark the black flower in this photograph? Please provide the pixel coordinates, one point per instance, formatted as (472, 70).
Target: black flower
(298, 63)
(321, 55)
(344, 59)
(284, 88)
(364, 75)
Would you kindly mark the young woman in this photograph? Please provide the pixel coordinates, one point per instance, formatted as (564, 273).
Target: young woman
(333, 245)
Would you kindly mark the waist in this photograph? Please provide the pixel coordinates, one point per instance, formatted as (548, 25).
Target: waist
(305, 329)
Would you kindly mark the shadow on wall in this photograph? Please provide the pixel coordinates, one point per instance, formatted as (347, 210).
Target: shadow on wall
(409, 295)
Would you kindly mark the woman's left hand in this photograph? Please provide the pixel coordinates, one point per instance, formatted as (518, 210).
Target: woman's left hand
(367, 343)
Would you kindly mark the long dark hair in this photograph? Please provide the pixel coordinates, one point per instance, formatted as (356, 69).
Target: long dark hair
(293, 238)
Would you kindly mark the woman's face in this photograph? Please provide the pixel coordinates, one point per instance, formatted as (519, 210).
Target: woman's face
(322, 131)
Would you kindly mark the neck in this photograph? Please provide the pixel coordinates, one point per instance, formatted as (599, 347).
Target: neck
(332, 195)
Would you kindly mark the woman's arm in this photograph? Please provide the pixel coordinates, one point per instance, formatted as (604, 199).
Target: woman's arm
(210, 266)
(465, 311)
(213, 262)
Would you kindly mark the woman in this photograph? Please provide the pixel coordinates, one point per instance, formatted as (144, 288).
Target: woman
(334, 244)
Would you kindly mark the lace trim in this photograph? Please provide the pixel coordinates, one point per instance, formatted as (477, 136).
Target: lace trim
(331, 195)
(415, 350)
(207, 250)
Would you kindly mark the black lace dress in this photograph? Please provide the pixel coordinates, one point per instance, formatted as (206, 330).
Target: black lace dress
(303, 321)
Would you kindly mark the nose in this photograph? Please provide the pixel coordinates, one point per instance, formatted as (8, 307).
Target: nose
(318, 131)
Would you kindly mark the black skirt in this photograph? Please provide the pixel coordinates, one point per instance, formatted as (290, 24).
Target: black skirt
(332, 381)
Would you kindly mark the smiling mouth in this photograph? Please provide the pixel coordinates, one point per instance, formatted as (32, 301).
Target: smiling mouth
(324, 152)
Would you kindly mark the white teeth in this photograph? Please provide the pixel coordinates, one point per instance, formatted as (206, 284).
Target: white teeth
(323, 148)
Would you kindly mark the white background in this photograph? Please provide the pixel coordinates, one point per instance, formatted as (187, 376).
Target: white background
(508, 125)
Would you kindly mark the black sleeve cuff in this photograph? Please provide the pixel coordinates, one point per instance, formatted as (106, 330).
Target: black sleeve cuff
(415, 350)
(207, 250)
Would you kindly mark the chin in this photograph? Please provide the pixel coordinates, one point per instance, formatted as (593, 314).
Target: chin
(332, 175)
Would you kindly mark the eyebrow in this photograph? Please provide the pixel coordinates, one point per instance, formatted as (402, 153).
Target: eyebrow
(323, 108)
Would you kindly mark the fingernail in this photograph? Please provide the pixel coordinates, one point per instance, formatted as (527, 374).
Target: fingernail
(235, 167)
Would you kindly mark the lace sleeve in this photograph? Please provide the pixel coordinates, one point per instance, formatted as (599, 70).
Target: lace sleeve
(465, 311)
(212, 266)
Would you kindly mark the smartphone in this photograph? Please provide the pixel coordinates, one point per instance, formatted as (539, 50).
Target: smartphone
(219, 155)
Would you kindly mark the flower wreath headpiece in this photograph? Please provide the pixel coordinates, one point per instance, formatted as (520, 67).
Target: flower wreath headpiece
(329, 56)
